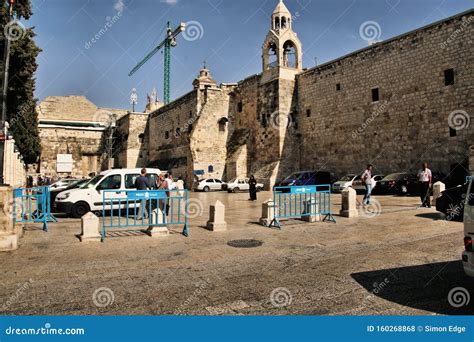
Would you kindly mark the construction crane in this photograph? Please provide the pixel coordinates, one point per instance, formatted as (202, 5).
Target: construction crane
(167, 44)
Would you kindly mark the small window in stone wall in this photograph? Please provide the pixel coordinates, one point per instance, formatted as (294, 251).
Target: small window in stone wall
(449, 77)
(140, 138)
(375, 95)
(190, 128)
(167, 135)
(452, 132)
(308, 113)
(190, 114)
(240, 107)
(178, 132)
(338, 86)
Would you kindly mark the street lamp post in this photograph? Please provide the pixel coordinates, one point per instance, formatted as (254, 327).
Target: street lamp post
(3, 126)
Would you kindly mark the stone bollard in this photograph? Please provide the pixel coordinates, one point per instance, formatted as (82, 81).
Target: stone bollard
(438, 188)
(90, 226)
(268, 213)
(216, 221)
(9, 236)
(349, 203)
(157, 217)
(311, 207)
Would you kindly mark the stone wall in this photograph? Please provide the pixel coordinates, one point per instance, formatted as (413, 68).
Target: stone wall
(131, 149)
(14, 170)
(343, 130)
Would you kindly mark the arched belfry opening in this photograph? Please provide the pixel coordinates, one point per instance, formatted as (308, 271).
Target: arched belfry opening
(282, 48)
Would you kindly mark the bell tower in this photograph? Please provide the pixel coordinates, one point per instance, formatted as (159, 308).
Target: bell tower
(282, 48)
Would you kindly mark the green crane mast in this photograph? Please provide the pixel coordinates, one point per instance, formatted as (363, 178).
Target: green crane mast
(167, 44)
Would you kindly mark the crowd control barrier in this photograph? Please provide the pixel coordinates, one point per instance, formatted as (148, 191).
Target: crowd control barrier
(125, 210)
(33, 205)
(300, 202)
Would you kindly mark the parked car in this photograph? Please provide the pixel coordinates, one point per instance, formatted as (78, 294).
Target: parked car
(240, 184)
(358, 186)
(398, 183)
(451, 202)
(345, 182)
(63, 183)
(209, 184)
(307, 178)
(468, 254)
(78, 202)
(76, 185)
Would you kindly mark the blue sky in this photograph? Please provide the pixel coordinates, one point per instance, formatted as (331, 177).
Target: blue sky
(231, 33)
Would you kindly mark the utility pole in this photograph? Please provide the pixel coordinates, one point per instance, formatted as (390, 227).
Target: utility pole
(3, 126)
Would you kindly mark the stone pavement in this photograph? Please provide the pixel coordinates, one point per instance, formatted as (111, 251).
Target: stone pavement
(404, 261)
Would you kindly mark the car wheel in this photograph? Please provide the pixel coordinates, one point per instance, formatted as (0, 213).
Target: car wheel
(236, 190)
(79, 209)
(404, 190)
(206, 189)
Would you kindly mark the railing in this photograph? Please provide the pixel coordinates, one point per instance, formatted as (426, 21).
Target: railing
(144, 209)
(33, 205)
(302, 201)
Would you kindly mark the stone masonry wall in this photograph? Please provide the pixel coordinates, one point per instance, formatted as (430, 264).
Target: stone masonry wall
(343, 130)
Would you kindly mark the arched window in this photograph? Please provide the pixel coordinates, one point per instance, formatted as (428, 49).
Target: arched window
(222, 124)
(140, 138)
(284, 23)
(290, 57)
(276, 25)
(272, 53)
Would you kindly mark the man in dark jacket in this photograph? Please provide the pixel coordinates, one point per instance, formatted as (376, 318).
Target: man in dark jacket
(142, 184)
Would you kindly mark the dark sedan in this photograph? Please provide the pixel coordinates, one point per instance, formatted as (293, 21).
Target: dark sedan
(398, 184)
(451, 203)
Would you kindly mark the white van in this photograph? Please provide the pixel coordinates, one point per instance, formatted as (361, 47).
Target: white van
(468, 255)
(78, 202)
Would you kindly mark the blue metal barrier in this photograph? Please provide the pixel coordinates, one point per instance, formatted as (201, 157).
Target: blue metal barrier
(144, 209)
(33, 205)
(468, 179)
(300, 202)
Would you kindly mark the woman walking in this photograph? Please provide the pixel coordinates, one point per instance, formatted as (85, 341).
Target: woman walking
(253, 188)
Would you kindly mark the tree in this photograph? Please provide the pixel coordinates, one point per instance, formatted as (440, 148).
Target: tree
(21, 103)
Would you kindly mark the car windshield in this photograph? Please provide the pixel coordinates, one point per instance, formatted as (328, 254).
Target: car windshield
(233, 180)
(347, 178)
(82, 184)
(93, 182)
(394, 176)
(293, 176)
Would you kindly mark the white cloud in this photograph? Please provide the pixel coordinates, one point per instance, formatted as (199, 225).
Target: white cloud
(169, 2)
(119, 5)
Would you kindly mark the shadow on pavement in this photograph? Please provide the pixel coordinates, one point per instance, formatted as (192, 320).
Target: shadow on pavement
(424, 287)
(433, 216)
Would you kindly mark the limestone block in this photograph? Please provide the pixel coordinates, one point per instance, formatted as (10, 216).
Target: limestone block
(216, 221)
(311, 207)
(9, 236)
(438, 188)
(268, 212)
(90, 226)
(157, 217)
(349, 203)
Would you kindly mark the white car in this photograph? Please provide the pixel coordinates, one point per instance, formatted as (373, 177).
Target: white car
(241, 184)
(344, 183)
(358, 186)
(63, 183)
(78, 202)
(209, 184)
(468, 254)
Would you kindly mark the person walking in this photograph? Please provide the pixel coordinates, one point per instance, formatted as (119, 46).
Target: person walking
(367, 181)
(169, 185)
(142, 184)
(253, 188)
(425, 179)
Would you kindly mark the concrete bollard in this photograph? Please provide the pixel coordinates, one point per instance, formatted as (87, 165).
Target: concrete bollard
(268, 213)
(90, 226)
(438, 188)
(311, 207)
(157, 217)
(349, 203)
(9, 236)
(216, 221)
